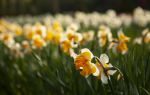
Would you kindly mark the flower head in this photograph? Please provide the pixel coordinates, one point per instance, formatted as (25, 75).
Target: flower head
(104, 35)
(87, 36)
(83, 63)
(103, 64)
(120, 44)
(72, 35)
(67, 45)
(38, 42)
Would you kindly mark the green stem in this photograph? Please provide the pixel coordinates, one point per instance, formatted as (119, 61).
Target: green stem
(110, 85)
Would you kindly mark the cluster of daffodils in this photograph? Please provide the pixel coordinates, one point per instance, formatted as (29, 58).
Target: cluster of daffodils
(72, 32)
(102, 69)
(22, 34)
(116, 44)
(139, 17)
(38, 35)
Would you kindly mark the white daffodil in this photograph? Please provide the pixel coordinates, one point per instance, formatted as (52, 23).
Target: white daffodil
(103, 65)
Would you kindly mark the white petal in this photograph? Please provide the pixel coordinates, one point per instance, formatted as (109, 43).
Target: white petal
(80, 37)
(138, 40)
(110, 65)
(72, 53)
(120, 32)
(104, 58)
(109, 34)
(145, 31)
(85, 50)
(104, 78)
(111, 72)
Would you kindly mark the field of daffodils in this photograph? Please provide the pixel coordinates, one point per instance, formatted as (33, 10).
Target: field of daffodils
(76, 54)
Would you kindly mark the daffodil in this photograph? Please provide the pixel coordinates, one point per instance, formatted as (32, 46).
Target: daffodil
(7, 39)
(104, 35)
(83, 63)
(120, 44)
(39, 30)
(38, 42)
(57, 37)
(103, 66)
(17, 29)
(57, 26)
(67, 45)
(87, 36)
(28, 31)
(72, 35)
(49, 35)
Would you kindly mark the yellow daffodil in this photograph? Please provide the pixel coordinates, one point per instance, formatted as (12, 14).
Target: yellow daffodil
(57, 26)
(39, 29)
(18, 31)
(120, 44)
(83, 63)
(57, 37)
(38, 42)
(49, 35)
(72, 35)
(67, 45)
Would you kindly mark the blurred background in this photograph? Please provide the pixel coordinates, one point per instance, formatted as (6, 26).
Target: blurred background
(34, 7)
